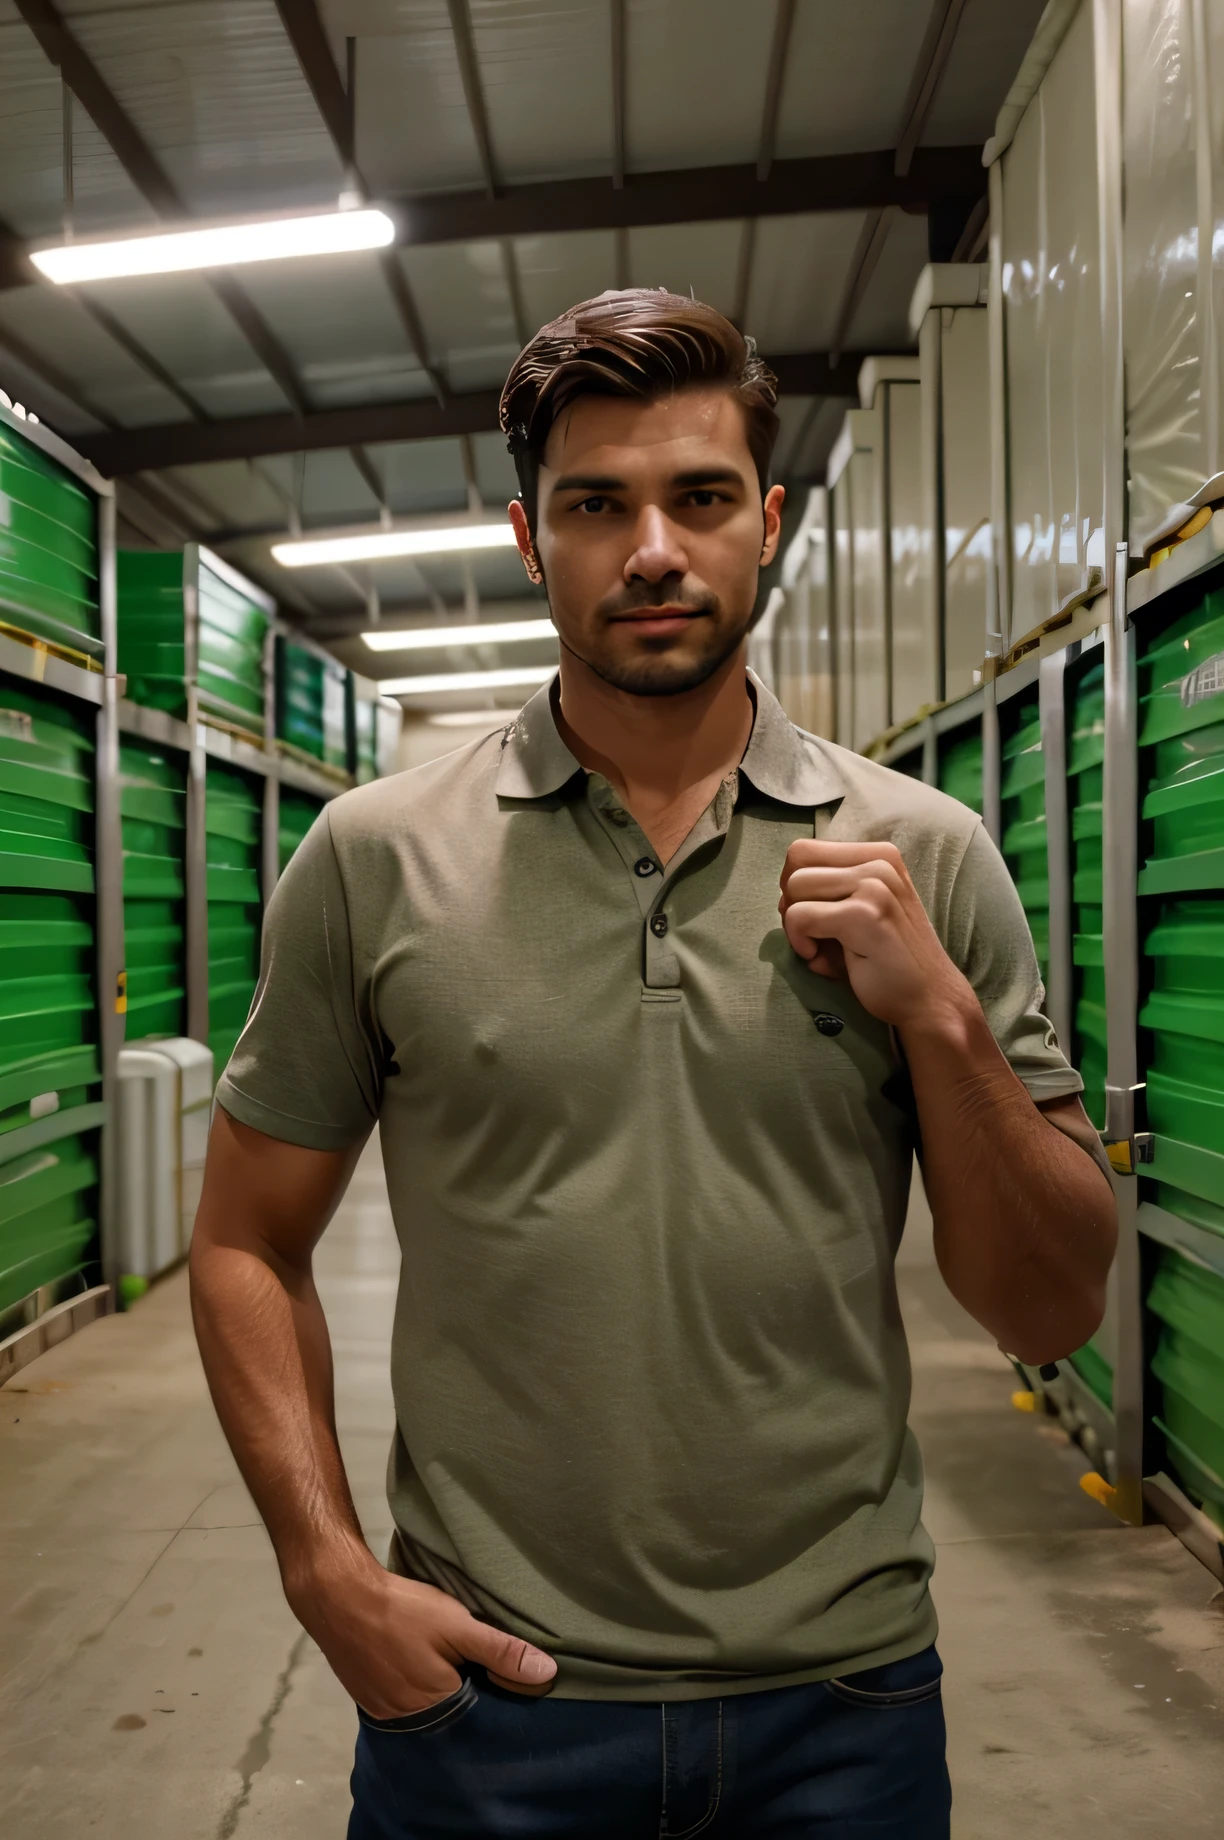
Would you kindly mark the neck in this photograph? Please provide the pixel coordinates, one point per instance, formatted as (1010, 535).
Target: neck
(655, 749)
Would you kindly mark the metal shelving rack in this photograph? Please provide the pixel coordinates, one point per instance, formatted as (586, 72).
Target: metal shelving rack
(50, 1317)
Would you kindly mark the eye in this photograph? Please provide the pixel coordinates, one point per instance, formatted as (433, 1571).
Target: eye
(593, 505)
(702, 497)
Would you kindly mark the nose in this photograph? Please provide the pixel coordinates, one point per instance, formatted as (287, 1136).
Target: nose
(658, 551)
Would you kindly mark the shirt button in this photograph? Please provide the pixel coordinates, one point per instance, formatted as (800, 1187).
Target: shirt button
(645, 865)
(658, 925)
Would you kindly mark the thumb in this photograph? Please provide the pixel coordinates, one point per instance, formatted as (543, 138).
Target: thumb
(507, 1657)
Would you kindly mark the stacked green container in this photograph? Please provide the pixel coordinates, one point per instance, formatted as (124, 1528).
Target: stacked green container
(1085, 799)
(233, 824)
(50, 1110)
(48, 551)
(297, 813)
(1187, 1300)
(960, 767)
(1022, 794)
(154, 592)
(312, 696)
(1181, 740)
(1085, 803)
(153, 810)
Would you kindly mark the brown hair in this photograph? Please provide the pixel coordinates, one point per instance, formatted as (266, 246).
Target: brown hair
(631, 342)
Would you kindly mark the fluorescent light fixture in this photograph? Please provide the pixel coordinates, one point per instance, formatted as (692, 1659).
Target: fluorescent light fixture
(378, 545)
(168, 252)
(468, 680)
(428, 638)
(470, 718)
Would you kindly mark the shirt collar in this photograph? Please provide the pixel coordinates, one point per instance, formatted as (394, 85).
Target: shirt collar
(781, 761)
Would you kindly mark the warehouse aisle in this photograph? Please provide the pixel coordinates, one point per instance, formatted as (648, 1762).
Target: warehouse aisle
(154, 1686)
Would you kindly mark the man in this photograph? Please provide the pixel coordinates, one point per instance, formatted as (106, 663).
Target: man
(648, 1133)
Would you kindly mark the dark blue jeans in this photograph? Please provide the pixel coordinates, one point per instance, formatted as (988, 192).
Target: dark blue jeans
(860, 1758)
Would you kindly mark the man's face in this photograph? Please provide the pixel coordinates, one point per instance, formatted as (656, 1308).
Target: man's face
(650, 534)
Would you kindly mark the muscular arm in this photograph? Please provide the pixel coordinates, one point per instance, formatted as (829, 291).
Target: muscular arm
(396, 1645)
(1025, 1221)
(1024, 1214)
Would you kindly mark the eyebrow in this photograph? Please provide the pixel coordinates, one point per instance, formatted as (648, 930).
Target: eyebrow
(605, 482)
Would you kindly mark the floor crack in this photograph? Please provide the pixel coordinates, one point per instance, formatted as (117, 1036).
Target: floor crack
(259, 1747)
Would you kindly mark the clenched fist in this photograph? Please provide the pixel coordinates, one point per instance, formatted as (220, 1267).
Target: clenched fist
(851, 911)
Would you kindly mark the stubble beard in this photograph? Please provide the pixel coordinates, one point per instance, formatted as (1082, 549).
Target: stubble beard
(663, 673)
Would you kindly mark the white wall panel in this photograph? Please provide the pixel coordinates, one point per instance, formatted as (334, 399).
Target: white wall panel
(1169, 321)
(1051, 280)
(965, 462)
(913, 640)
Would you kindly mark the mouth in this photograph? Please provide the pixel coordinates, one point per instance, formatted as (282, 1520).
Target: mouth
(658, 622)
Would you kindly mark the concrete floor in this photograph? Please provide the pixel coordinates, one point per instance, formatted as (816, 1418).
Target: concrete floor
(153, 1686)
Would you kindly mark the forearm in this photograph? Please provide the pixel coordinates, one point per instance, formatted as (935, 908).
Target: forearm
(267, 1357)
(1025, 1222)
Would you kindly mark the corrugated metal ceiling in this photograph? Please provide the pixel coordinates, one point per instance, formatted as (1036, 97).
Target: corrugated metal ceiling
(216, 90)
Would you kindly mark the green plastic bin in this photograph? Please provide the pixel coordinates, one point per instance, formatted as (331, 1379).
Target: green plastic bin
(155, 590)
(48, 550)
(153, 815)
(233, 824)
(312, 703)
(960, 768)
(297, 813)
(49, 1067)
(1022, 800)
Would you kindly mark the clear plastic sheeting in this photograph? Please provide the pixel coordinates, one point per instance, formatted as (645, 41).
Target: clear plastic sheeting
(1173, 259)
(912, 661)
(858, 581)
(1052, 307)
(802, 635)
(948, 317)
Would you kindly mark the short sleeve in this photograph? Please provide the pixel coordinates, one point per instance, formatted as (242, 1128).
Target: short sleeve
(988, 938)
(304, 1070)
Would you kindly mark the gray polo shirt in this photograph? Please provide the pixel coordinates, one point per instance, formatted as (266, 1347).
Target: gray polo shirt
(648, 1174)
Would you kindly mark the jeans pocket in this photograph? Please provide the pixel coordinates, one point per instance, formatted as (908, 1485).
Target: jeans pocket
(428, 1718)
(908, 1682)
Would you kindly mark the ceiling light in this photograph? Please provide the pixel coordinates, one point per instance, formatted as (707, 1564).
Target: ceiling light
(428, 638)
(166, 252)
(378, 545)
(467, 680)
(469, 718)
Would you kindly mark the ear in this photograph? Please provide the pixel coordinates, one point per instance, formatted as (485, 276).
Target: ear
(775, 498)
(522, 536)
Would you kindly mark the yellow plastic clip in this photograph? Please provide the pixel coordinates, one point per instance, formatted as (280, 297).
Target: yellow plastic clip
(1119, 1155)
(1100, 1490)
(1025, 1402)
(121, 994)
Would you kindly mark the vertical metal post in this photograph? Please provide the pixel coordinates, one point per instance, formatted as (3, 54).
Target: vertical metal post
(884, 463)
(992, 764)
(108, 895)
(196, 873)
(1121, 867)
(998, 615)
(270, 854)
(930, 753)
(1051, 688)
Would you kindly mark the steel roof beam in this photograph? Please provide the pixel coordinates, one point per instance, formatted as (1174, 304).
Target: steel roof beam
(928, 75)
(308, 40)
(784, 19)
(473, 89)
(136, 450)
(150, 178)
(618, 48)
(701, 194)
